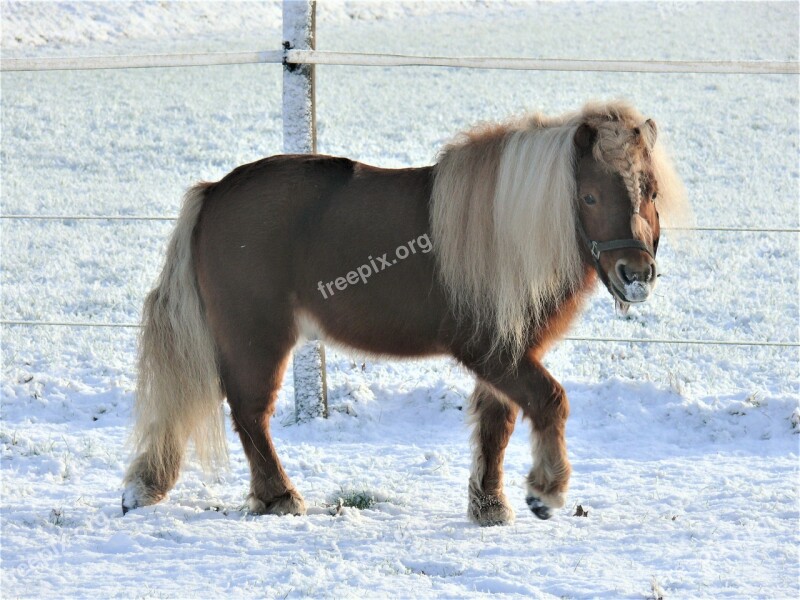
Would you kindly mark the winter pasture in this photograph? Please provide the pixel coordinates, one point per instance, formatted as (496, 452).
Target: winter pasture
(685, 456)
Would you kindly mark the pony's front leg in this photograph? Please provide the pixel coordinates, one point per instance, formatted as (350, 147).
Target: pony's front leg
(494, 419)
(544, 402)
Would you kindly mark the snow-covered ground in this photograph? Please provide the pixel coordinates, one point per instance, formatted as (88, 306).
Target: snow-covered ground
(686, 457)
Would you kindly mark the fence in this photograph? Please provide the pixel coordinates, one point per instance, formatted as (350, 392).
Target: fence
(316, 57)
(299, 57)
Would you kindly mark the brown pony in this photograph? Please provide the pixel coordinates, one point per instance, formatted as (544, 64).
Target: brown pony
(486, 256)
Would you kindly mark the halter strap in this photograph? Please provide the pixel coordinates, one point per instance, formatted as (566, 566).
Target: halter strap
(597, 248)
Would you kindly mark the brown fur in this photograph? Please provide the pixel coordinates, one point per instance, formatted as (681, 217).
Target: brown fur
(272, 231)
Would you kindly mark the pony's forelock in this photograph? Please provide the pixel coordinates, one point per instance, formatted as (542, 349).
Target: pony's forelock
(621, 145)
(641, 229)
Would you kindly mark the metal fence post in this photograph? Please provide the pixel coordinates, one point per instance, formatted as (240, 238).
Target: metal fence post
(300, 137)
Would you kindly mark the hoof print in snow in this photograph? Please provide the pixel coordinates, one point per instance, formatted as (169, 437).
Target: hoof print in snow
(539, 508)
(580, 511)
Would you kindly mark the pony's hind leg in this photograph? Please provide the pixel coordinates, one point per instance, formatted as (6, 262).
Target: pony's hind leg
(155, 470)
(177, 393)
(251, 384)
(494, 419)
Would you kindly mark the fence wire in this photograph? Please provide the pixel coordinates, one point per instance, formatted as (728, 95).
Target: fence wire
(318, 57)
(170, 219)
(598, 339)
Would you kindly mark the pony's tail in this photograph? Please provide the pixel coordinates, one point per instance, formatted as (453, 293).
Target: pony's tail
(178, 394)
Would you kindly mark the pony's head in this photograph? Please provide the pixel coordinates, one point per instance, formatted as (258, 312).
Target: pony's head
(617, 197)
(521, 210)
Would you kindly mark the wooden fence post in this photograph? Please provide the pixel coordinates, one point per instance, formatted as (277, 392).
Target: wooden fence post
(300, 137)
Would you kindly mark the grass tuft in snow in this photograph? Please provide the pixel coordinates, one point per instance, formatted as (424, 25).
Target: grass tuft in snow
(358, 498)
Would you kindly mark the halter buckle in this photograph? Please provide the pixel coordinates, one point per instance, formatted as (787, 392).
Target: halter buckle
(595, 251)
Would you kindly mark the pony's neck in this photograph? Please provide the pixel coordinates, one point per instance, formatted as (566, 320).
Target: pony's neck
(559, 320)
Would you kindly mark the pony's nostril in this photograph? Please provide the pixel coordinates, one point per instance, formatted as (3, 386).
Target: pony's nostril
(626, 275)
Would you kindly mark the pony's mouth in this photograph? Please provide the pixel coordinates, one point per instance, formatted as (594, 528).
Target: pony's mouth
(633, 293)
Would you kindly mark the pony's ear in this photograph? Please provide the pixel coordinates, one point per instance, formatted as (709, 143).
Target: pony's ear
(584, 139)
(650, 133)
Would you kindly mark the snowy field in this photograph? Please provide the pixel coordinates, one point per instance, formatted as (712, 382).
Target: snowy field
(685, 457)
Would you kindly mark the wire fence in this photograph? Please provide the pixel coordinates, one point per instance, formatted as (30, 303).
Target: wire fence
(315, 57)
(680, 341)
(20, 217)
(318, 57)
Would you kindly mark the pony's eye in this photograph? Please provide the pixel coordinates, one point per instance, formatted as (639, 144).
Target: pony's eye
(654, 196)
(589, 199)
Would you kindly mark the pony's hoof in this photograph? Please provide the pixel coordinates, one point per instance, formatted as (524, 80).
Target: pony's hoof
(136, 494)
(130, 498)
(127, 505)
(489, 511)
(539, 508)
(290, 503)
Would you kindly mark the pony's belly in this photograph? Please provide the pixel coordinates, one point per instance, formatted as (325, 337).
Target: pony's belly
(378, 336)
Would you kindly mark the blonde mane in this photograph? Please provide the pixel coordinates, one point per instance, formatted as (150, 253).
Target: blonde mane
(503, 214)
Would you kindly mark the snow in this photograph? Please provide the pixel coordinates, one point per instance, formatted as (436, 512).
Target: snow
(685, 457)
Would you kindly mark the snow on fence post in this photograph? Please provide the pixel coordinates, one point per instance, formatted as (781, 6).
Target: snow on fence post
(300, 137)
(299, 119)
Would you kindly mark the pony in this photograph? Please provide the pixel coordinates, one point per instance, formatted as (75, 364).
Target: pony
(486, 256)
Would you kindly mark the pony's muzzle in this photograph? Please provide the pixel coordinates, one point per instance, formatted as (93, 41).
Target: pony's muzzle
(636, 279)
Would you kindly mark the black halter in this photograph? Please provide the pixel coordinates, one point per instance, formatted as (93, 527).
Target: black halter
(597, 248)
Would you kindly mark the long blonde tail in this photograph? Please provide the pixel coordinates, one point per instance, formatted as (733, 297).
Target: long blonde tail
(178, 394)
